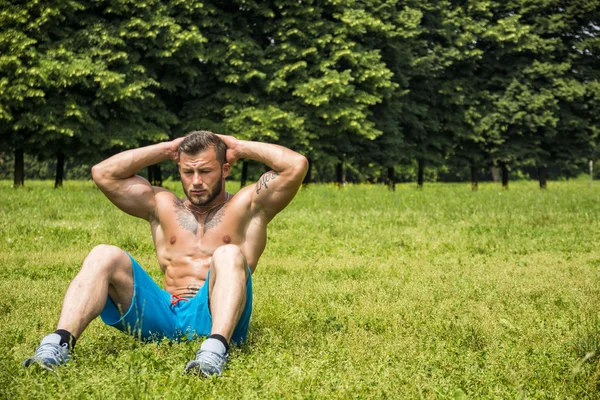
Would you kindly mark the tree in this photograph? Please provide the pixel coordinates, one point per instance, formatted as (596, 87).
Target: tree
(533, 91)
(84, 76)
(325, 73)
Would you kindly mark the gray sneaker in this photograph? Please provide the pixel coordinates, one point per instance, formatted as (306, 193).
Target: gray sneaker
(207, 363)
(50, 353)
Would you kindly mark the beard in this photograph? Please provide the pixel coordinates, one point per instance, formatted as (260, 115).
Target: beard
(212, 193)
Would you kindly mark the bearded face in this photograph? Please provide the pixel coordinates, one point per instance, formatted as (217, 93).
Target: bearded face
(203, 195)
(202, 176)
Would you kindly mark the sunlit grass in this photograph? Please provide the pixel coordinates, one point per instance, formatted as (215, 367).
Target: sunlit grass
(361, 293)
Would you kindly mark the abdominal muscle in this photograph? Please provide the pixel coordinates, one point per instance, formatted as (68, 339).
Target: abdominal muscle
(185, 276)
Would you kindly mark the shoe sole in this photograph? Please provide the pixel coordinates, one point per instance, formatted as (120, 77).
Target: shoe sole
(196, 370)
(41, 365)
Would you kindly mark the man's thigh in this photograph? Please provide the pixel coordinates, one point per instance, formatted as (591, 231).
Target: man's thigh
(149, 315)
(121, 286)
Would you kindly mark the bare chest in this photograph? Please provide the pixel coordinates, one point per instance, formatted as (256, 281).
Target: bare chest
(180, 226)
(184, 238)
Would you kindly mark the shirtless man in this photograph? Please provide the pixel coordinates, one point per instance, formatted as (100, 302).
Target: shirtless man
(208, 245)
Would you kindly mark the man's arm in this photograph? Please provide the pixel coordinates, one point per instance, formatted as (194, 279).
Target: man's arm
(116, 177)
(275, 189)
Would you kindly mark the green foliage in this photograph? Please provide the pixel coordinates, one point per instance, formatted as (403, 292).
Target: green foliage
(82, 75)
(533, 93)
(360, 82)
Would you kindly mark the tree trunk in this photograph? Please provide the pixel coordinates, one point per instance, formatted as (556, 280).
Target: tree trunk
(339, 173)
(60, 169)
(420, 172)
(474, 182)
(543, 177)
(308, 177)
(495, 174)
(244, 177)
(504, 177)
(19, 176)
(155, 175)
(150, 170)
(391, 173)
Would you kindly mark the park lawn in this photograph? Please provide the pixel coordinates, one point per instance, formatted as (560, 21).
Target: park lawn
(361, 293)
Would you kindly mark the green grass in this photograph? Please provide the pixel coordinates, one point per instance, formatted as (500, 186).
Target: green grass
(361, 293)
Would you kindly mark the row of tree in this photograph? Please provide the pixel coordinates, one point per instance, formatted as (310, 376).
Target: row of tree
(373, 84)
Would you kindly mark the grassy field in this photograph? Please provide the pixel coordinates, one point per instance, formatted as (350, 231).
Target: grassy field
(361, 293)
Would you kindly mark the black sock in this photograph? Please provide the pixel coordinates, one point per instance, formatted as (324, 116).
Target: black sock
(66, 337)
(220, 339)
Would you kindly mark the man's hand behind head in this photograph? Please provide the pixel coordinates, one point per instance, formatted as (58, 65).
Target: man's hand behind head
(174, 148)
(232, 154)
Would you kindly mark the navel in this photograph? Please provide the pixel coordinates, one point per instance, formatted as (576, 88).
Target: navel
(226, 239)
(173, 239)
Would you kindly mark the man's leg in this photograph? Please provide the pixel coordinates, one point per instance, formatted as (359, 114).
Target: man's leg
(106, 271)
(227, 298)
(227, 289)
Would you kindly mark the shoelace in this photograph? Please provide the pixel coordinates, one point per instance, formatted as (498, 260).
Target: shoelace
(50, 350)
(210, 358)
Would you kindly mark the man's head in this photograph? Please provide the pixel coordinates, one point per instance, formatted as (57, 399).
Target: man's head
(198, 141)
(203, 166)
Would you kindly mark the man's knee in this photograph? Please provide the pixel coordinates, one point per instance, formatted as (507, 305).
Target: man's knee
(107, 258)
(229, 254)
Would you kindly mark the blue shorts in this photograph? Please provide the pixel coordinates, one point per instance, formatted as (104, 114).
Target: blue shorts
(151, 315)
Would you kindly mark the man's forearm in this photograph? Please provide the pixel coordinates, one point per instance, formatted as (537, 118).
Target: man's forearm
(277, 157)
(126, 164)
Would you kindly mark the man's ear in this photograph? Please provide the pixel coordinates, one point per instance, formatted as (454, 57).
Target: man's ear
(226, 169)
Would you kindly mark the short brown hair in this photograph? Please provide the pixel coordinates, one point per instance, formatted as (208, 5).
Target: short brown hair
(198, 141)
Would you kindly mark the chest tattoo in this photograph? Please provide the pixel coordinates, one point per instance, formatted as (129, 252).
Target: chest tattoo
(213, 219)
(186, 219)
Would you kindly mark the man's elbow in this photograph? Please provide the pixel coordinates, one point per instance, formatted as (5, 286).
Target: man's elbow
(98, 174)
(301, 166)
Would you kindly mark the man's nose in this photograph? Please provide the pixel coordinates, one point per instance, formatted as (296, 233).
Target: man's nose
(197, 180)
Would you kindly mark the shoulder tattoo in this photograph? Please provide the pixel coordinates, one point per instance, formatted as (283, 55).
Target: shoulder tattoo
(186, 219)
(264, 180)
